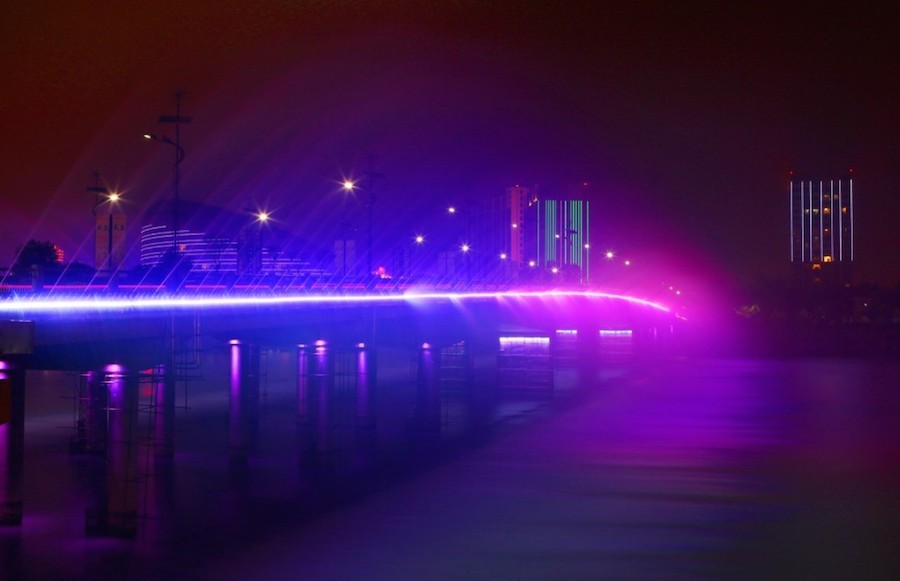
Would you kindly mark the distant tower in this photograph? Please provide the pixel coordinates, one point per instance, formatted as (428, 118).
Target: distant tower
(515, 203)
(109, 240)
(822, 229)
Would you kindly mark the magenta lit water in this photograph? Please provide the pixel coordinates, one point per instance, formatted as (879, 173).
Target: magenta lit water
(620, 466)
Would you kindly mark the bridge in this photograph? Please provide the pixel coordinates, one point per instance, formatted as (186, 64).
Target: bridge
(136, 350)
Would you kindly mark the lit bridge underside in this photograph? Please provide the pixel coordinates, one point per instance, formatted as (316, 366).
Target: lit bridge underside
(77, 330)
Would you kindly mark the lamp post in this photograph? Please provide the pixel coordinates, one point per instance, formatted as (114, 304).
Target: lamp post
(177, 119)
(350, 186)
(101, 192)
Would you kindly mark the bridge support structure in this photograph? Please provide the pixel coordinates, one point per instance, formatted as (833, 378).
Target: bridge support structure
(12, 443)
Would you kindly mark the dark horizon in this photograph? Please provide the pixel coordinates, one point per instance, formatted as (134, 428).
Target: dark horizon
(685, 120)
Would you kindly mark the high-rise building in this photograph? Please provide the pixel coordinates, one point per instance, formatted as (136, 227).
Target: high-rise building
(537, 236)
(822, 228)
(563, 237)
(505, 231)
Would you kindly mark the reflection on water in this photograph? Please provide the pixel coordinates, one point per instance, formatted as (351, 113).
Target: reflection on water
(548, 455)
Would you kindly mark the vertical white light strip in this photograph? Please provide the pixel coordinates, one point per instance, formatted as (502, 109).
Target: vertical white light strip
(791, 229)
(821, 223)
(831, 216)
(809, 192)
(851, 218)
(841, 218)
(586, 247)
(802, 224)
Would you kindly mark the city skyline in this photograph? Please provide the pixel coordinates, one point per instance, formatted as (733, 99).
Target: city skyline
(685, 122)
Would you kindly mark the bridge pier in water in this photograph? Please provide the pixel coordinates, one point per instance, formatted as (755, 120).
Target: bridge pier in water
(162, 378)
(12, 443)
(336, 401)
(91, 401)
(115, 512)
(243, 401)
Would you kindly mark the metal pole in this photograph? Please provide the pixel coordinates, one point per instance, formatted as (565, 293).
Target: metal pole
(176, 119)
(109, 242)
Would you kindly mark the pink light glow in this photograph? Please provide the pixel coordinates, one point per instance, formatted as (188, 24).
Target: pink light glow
(25, 305)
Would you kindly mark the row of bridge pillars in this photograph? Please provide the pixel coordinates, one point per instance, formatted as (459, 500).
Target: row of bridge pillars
(335, 399)
(335, 403)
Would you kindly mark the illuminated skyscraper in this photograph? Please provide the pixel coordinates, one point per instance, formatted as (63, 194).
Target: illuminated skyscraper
(563, 236)
(822, 230)
(546, 236)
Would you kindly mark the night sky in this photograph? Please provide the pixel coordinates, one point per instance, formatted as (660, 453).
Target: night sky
(684, 118)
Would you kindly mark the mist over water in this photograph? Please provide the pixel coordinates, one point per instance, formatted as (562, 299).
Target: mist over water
(530, 459)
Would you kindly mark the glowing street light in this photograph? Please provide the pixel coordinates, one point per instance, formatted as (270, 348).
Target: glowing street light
(177, 119)
(610, 254)
(465, 248)
(111, 198)
(262, 216)
(451, 210)
(419, 239)
(349, 186)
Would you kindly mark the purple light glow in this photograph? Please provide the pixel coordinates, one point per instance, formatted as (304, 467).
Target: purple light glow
(524, 341)
(21, 305)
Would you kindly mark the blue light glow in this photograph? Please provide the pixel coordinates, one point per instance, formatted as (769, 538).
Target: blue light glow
(99, 303)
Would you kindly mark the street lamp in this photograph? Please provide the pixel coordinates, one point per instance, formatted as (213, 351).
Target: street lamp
(177, 120)
(102, 194)
(349, 186)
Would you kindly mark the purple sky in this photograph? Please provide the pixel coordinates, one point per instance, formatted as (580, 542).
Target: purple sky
(685, 119)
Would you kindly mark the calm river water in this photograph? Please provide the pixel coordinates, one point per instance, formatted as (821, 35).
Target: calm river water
(428, 463)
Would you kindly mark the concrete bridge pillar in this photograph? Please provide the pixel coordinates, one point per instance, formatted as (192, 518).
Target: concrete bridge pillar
(427, 411)
(365, 387)
(322, 389)
(91, 400)
(117, 514)
(243, 401)
(163, 380)
(304, 373)
(12, 443)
